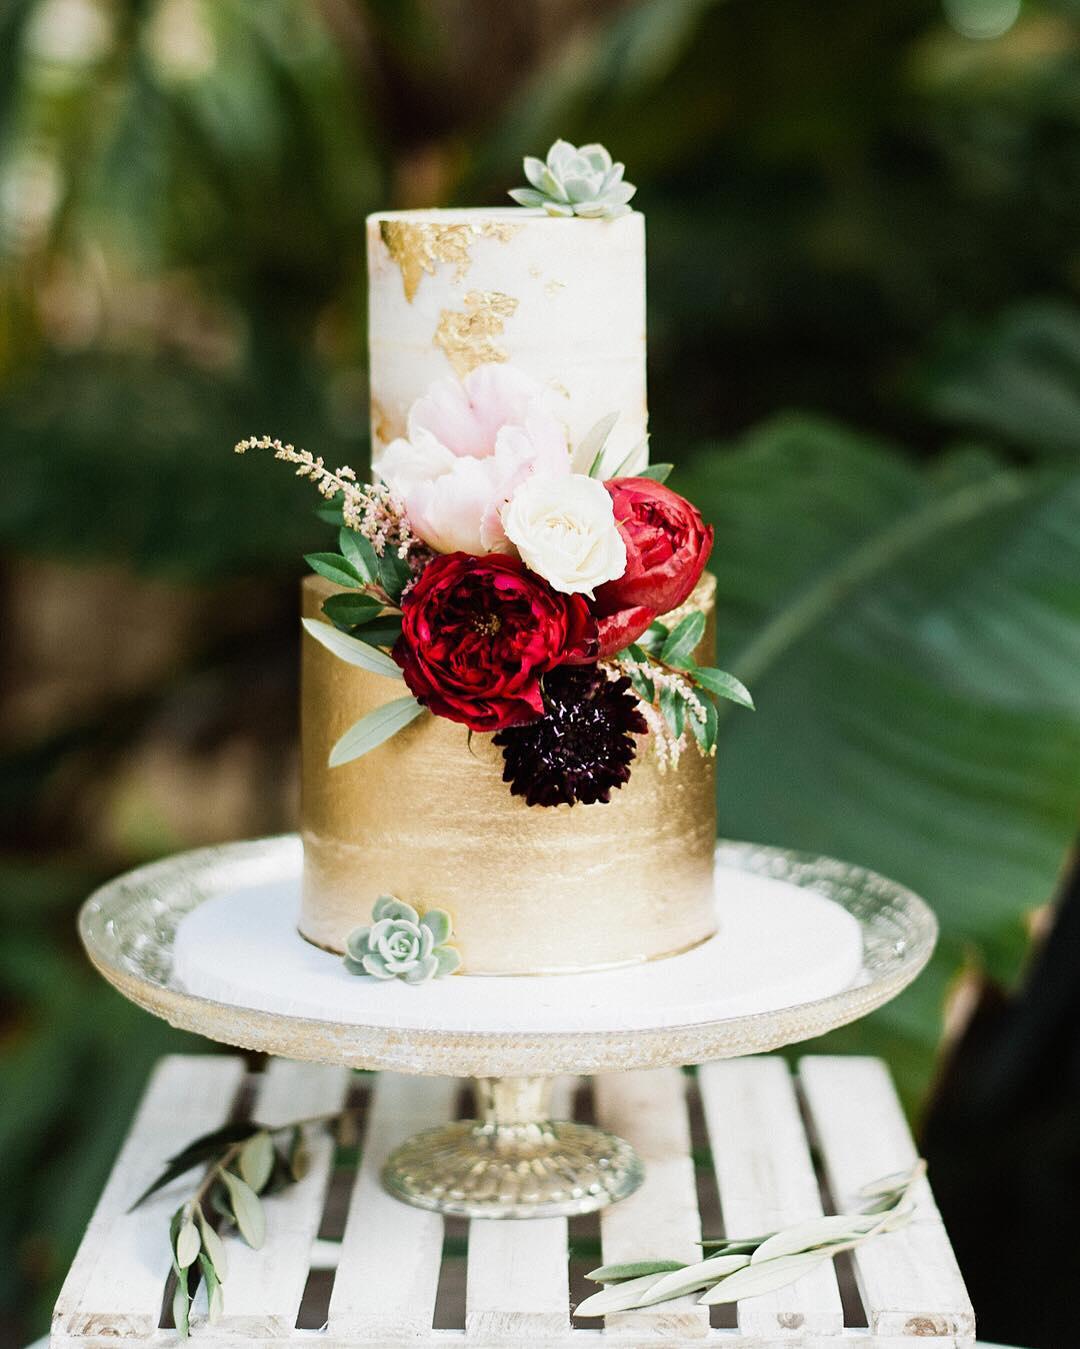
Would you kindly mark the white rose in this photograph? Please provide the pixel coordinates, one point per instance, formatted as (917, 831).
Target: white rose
(564, 528)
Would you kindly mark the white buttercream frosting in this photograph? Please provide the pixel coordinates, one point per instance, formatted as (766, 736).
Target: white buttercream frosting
(563, 300)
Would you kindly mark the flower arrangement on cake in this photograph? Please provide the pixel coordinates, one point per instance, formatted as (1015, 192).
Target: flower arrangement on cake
(517, 591)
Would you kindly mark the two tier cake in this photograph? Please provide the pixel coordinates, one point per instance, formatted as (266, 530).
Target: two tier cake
(508, 698)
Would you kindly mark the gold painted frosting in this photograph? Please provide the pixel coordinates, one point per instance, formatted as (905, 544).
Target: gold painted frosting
(468, 338)
(532, 890)
(419, 246)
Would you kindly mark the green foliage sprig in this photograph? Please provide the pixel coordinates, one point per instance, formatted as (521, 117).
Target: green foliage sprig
(664, 675)
(244, 1162)
(748, 1266)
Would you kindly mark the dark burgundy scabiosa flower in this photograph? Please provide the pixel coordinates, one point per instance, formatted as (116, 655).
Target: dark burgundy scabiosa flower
(582, 748)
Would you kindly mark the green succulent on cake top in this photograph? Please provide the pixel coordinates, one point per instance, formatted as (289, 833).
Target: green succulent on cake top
(576, 180)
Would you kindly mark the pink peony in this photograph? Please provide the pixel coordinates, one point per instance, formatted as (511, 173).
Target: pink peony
(469, 446)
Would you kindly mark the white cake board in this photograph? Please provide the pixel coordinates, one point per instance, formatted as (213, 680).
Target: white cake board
(207, 940)
(778, 946)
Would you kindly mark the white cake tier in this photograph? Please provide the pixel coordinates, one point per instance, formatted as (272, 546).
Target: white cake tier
(564, 300)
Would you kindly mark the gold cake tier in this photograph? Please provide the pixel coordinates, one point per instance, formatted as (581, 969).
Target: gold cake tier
(532, 889)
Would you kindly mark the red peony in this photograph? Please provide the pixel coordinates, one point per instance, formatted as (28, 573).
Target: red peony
(667, 546)
(478, 632)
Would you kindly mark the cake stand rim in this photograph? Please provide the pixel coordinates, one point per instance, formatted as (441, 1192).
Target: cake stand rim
(486, 1053)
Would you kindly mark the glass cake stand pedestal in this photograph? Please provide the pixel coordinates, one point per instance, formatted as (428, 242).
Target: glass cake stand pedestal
(207, 941)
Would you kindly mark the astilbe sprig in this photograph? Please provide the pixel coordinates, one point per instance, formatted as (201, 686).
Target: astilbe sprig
(371, 509)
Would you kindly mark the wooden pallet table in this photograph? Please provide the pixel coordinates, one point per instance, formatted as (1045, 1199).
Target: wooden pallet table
(743, 1147)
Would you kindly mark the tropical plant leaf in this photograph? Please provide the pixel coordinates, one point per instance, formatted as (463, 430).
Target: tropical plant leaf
(1019, 380)
(372, 730)
(913, 650)
(351, 649)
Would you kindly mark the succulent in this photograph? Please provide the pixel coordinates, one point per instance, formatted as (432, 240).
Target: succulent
(576, 181)
(401, 945)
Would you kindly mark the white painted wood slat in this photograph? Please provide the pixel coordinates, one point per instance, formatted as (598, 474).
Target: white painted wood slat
(661, 1220)
(909, 1279)
(388, 1274)
(766, 1181)
(264, 1287)
(117, 1280)
(518, 1282)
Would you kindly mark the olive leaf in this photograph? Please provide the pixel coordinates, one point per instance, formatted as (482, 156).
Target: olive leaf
(748, 1266)
(692, 1277)
(589, 454)
(246, 1209)
(299, 1156)
(764, 1278)
(188, 1244)
(636, 1270)
(636, 463)
(617, 1297)
(372, 729)
(351, 649)
(215, 1304)
(200, 1149)
(256, 1160)
(181, 1303)
(213, 1246)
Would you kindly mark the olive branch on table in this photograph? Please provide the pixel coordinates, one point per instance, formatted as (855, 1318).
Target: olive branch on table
(244, 1161)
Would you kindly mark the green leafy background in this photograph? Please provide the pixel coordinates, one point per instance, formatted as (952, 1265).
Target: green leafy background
(864, 361)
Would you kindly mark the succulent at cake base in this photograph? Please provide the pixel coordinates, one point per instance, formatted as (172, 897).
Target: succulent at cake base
(575, 180)
(400, 944)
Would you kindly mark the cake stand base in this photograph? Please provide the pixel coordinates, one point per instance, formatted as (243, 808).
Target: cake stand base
(514, 1161)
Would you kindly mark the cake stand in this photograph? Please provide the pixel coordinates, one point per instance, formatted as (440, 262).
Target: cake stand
(207, 941)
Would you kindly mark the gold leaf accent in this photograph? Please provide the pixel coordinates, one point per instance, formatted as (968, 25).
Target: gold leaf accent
(420, 246)
(385, 427)
(468, 338)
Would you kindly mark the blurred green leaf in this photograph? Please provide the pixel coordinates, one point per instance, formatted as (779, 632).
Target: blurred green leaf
(912, 650)
(1018, 381)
